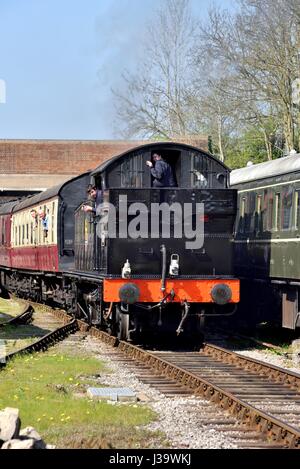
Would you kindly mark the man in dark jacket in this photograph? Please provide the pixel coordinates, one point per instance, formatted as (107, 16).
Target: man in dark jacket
(96, 196)
(162, 172)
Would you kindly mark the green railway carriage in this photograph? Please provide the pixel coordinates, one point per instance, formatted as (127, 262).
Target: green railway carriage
(267, 237)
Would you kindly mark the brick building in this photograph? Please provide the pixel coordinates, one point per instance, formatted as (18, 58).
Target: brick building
(30, 166)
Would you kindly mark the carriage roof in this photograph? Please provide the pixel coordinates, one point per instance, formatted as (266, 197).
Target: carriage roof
(284, 165)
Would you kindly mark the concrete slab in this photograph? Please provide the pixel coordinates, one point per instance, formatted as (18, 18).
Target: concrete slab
(112, 394)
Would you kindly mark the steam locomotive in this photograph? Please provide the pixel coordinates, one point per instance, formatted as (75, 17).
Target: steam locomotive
(151, 259)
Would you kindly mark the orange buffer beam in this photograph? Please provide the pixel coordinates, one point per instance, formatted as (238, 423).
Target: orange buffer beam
(193, 291)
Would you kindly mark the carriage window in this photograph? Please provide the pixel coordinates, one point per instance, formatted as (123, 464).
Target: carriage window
(2, 231)
(258, 218)
(297, 210)
(270, 209)
(243, 206)
(39, 231)
(267, 212)
(249, 212)
(277, 211)
(287, 202)
(242, 215)
(52, 222)
(201, 171)
(258, 204)
(45, 233)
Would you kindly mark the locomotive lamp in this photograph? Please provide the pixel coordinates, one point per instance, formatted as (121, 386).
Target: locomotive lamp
(174, 266)
(126, 270)
(221, 294)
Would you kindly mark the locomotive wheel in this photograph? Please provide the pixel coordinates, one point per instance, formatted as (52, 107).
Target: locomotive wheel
(122, 324)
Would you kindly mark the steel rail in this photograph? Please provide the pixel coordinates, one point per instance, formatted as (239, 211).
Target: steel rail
(273, 372)
(44, 342)
(264, 423)
(23, 318)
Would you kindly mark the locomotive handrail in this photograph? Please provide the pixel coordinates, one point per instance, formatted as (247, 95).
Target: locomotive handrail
(62, 207)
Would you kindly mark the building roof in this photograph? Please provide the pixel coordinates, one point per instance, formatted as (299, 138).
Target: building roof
(36, 199)
(64, 157)
(36, 165)
(30, 182)
(285, 165)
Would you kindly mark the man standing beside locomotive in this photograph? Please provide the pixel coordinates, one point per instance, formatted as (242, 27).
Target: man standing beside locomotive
(162, 172)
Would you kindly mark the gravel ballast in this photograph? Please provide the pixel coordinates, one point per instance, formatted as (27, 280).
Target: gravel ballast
(181, 419)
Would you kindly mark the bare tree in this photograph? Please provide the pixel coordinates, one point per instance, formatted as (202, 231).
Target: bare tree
(258, 47)
(213, 113)
(155, 100)
(234, 75)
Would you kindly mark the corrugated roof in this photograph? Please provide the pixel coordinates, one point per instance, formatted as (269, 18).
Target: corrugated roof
(285, 165)
(7, 207)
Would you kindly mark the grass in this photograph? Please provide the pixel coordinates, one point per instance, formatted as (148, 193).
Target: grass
(49, 388)
(9, 309)
(18, 337)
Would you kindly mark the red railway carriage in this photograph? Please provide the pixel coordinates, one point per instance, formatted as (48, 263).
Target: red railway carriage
(5, 233)
(37, 234)
(32, 246)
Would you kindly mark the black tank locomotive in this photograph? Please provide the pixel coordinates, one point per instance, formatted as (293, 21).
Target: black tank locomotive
(166, 267)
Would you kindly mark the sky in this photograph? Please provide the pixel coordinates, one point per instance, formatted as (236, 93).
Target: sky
(60, 60)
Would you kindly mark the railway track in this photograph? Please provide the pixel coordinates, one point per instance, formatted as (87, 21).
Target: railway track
(260, 403)
(43, 332)
(22, 318)
(264, 398)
